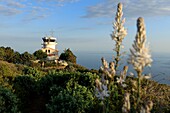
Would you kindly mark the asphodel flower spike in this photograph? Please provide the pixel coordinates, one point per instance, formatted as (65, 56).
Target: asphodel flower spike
(140, 53)
(118, 34)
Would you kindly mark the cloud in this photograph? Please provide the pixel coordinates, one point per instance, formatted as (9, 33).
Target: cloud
(39, 11)
(7, 11)
(15, 4)
(10, 7)
(132, 8)
(61, 3)
(32, 9)
(58, 2)
(36, 13)
(34, 17)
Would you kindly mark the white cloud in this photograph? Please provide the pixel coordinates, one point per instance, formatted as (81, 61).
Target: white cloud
(132, 8)
(36, 13)
(32, 9)
(7, 11)
(57, 2)
(39, 11)
(10, 7)
(15, 4)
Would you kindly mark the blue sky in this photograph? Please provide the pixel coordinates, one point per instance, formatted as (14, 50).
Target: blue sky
(82, 25)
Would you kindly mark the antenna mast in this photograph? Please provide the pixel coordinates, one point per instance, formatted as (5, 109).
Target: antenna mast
(52, 32)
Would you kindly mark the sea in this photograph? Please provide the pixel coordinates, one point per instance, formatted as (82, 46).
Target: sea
(160, 68)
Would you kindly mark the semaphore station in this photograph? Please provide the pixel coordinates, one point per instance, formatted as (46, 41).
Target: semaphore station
(49, 46)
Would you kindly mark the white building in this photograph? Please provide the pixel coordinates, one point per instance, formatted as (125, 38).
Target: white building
(49, 46)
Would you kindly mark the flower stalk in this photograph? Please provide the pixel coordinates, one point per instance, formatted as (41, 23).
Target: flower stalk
(140, 54)
(118, 34)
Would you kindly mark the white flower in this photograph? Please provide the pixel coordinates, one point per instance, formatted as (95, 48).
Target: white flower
(131, 74)
(101, 94)
(121, 81)
(140, 53)
(108, 71)
(122, 77)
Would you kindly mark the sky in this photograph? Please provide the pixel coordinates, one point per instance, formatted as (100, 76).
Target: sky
(82, 25)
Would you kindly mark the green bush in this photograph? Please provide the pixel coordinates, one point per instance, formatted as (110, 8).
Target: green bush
(24, 86)
(33, 72)
(74, 99)
(8, 101)
(8, 72)
(40, 55)
(61, 78)
(68, 56)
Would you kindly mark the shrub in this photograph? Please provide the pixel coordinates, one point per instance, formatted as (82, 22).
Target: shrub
(61, 78)
(26, 89)
(8, 72)
(8, 101)
(40, 55)
(68, 56)
(74, 99)
(33, 72)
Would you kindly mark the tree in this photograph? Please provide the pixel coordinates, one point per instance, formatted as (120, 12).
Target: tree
(39, 54)
(6, 54)
(2, 53)
(9, 55)
(26, 58)
(16, 59)
(68, 56)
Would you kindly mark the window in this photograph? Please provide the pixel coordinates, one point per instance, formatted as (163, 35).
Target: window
(48, 51)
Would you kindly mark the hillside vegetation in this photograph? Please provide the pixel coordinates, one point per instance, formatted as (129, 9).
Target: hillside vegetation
(43, 92)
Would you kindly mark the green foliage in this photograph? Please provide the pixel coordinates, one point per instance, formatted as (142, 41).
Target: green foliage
(33, 72)
(25, 88)
(2, 53)
(74, 99)
(61, 78)
(8, 101)
(76, 67)
(8, 72)
(50, 64)
(74, 92)
(29, 89)
(40, 55)
(26, 58)
(6, 54)
(68, 56)
(16, 59)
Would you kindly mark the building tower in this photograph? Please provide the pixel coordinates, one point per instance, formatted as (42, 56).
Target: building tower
(49, 46)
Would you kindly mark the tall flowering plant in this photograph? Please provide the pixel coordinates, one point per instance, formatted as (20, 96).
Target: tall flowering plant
(118, 34)
(140, 56)
(106, 86)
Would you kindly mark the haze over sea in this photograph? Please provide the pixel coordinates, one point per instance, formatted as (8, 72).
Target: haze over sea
(160, 69)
